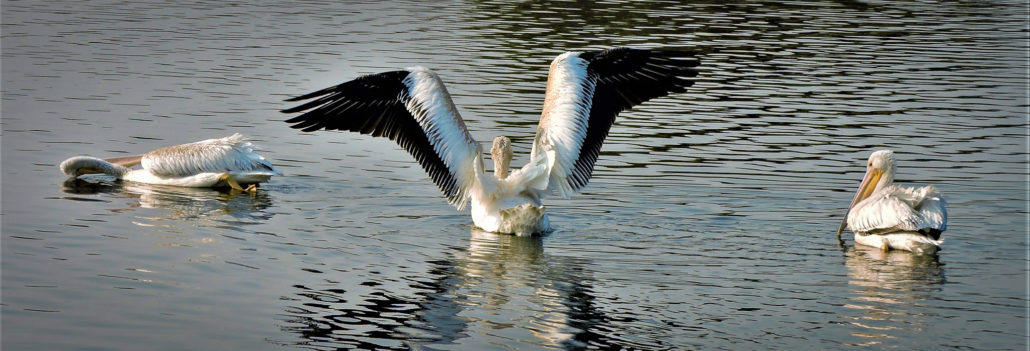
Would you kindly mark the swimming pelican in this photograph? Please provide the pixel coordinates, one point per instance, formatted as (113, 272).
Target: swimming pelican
(228, 161)
(585, 91)
(888, 216)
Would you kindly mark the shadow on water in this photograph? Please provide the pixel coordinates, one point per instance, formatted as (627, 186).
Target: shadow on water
(181, 203)
(505, 286)
(885, 286)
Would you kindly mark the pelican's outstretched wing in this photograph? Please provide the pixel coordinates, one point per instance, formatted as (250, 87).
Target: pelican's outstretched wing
(586, 90)
(411, 107)
(230, 154)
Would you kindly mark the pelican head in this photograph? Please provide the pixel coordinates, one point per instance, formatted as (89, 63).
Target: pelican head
(501, 154)
(80, 165)
(879, 173)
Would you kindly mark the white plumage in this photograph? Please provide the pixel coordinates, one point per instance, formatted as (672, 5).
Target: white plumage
(888, 216)
(228, 161)
(585, 91)
(565, 118)
(431, 105)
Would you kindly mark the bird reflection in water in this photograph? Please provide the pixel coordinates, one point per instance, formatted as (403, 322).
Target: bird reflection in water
(500, 288)
(883, 282)
(205, 204)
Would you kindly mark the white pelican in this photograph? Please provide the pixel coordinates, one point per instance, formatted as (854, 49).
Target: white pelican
(585, 91)
(888, 216)
(228, 161)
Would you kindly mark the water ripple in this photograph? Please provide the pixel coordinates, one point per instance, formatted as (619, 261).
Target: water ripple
(708, 223)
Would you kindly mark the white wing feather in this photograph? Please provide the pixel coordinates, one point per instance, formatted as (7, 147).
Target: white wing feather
(933, 208)
(898, 208)
(227, 154)
(432, 107)
(565, 117)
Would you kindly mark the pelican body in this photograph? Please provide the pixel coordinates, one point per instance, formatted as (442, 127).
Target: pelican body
(222, 162)
(585, 92)
(888, 216)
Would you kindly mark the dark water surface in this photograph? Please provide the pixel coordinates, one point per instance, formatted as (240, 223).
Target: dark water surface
(709, 223)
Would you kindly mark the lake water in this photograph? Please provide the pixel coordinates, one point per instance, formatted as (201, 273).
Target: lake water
(709, 222)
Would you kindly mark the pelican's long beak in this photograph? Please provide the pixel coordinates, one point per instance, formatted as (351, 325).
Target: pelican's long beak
(872, 176)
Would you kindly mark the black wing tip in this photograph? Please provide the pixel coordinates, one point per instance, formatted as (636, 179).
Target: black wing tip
(315, 94)
(662, 52)
(350, 85)
(680, 60)
(676, 58)
(305, 123)
(297, 119)
(319, 113)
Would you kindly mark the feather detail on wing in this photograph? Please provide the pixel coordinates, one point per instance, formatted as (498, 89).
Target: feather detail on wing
(126, 161)
(585, 91)
(411, 107)
(565, 120)
(896, 208)
(229, 154)
(531, 178)
(933, 209)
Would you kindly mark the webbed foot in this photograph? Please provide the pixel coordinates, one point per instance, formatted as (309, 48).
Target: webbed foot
(228, 179)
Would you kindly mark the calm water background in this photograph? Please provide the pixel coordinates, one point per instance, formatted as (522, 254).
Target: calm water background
(709, 223)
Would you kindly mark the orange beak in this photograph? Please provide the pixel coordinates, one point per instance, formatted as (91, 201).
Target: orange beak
(872, 176)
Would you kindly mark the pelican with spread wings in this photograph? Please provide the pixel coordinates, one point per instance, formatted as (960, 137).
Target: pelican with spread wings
(585, 91)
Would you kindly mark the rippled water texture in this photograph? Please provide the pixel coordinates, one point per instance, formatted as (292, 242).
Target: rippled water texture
(709, 223)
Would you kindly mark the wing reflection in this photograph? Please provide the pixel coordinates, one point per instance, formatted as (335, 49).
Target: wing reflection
(500, 288)
(886, 285)
(181, 203)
